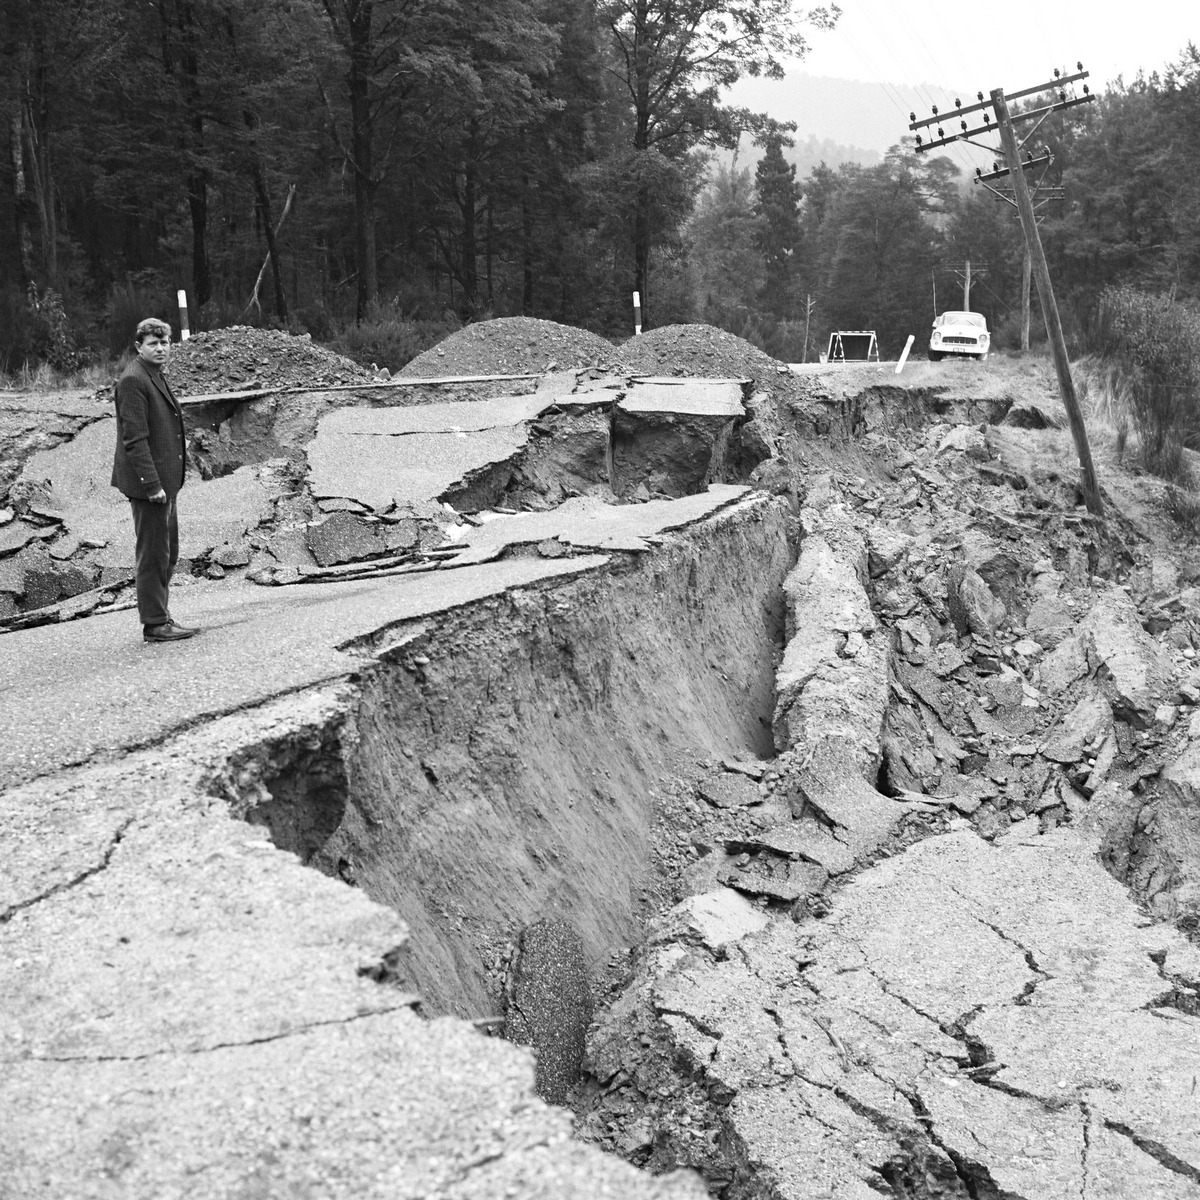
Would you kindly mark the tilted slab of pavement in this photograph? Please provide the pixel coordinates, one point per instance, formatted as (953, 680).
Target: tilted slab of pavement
(400, 456)
(687, 397)
(188, 1011)
(588, 524)
(1000, 1019)
(211, 512)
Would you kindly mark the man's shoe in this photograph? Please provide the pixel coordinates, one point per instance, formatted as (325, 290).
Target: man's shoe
(167, 632)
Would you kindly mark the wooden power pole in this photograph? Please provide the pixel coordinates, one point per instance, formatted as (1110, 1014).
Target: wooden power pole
(1041, 276)
(1015, 168)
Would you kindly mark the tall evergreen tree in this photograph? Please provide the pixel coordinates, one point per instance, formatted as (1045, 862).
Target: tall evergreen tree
(726, 234)
(778, 210)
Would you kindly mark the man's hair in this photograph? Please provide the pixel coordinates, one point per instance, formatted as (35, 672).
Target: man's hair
(151, 327)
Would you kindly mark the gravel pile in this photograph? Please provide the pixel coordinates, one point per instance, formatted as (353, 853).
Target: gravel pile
(700, 350)
(512, 346)
(241, 358)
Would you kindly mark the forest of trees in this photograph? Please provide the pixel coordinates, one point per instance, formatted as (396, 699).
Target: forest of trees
(316, 163)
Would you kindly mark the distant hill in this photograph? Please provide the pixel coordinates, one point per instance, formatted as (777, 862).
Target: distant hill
(805, 154)
(855, 116)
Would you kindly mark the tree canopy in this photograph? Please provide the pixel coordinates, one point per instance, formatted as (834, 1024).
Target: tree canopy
(313, 162)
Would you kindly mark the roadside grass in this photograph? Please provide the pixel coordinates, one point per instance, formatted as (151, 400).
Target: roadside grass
(1140, 375)
(45, 378)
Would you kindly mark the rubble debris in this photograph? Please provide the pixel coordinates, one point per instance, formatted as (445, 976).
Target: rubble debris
(704, 351)
(242, 358)
(512, 345)
(548, 1004)
(343, 538)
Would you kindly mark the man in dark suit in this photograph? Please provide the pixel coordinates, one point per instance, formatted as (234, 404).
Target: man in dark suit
(148, 467)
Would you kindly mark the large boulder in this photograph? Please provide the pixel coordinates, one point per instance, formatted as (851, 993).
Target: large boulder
(1135, 669)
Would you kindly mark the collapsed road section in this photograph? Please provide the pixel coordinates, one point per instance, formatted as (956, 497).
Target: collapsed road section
(821, 815)
(165, 966)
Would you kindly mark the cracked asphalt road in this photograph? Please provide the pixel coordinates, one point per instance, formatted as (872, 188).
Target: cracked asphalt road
(87, 688)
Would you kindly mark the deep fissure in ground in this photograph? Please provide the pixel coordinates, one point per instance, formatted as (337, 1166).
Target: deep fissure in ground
(511, 765)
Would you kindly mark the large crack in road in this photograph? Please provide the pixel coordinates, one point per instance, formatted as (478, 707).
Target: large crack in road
(827, 833)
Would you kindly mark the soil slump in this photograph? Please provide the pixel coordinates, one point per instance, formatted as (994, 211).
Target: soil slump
(503, 768)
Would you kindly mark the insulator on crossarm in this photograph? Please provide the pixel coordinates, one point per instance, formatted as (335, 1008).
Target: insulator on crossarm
(964, 126)
(986, 119)
(1079, 66)
(957, 102)
(979, 97)
(920, 140)
(912, 117)
(1057, 73)
(935, 110)
(941, 132)
(979, 172)
(1087, 91)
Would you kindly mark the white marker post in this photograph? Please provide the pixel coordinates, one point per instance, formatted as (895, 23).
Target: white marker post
(904, 356)
(637, 313)
(184, 332)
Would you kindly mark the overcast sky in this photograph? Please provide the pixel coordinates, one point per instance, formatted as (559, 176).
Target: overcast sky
(979, 45)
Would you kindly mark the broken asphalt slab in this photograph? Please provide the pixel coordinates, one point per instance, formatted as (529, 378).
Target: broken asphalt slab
(211, 512)
(207, 1017)
(89, 687)
(384, 471)
(685, 397)
(463, 417)
(981, 1012)
(585, 523)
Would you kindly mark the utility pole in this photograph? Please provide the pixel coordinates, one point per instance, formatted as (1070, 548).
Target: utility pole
(808, 310)
(1003, 125)
(1041, 194)
(968, 272)
(1041, 275)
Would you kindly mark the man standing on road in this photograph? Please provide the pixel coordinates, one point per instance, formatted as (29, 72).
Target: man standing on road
(148, 467)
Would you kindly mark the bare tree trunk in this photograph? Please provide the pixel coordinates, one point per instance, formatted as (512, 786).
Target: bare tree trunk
(40, 187)
(526, 251)
(272, 259)
(21, 201)
(264, 207)
(469, 275)
(362, 147)
(197, 178)
(488, 251)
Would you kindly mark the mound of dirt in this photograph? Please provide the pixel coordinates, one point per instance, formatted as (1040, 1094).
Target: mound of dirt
(700, 350)
(241, 358)
(511, 346)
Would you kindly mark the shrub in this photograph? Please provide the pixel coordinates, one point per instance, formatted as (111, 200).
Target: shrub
(1144, 367)
(143, 294)
(388, 339)
(52, 339)
(1154, 337)
(16, 338)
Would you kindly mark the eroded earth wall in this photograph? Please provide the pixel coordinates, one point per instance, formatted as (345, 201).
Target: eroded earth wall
(504, 762)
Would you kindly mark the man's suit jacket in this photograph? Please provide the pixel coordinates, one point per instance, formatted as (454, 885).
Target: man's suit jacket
(151, 444)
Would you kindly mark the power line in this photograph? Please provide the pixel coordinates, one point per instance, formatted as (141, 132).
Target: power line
(1004, 125)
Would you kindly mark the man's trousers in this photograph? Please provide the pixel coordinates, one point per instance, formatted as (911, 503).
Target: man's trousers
(156, 527)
